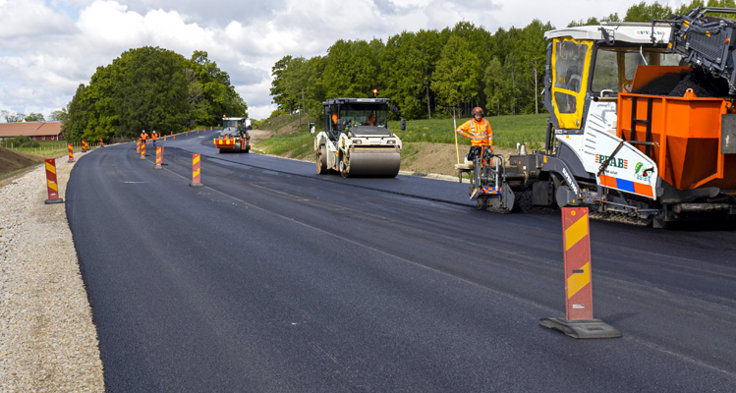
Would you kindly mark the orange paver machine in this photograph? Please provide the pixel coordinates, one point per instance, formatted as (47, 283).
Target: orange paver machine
(642, 121)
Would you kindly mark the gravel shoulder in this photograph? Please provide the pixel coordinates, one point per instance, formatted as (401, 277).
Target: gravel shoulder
(48, 342)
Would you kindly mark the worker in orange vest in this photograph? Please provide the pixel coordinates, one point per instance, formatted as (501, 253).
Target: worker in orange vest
(144, 136)
(480, 133)
(154, 138)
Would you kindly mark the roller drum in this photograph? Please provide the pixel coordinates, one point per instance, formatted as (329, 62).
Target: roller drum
(374, 162)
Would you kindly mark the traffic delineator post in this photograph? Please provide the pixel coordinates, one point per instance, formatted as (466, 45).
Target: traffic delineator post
(143, 150)
(85, 146)
(70, 148)
(159, 156)
(195, 171)
(138, 146)
(101, 144)
(51, 184)
(579, 321)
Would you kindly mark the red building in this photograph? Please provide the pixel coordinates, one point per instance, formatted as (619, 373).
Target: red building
(41, 131)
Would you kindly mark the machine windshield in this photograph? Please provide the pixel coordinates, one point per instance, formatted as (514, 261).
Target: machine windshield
(229, 123)
(615, 67)
(366, 115)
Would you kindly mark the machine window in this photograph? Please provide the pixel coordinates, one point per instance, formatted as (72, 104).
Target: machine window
(569, 65)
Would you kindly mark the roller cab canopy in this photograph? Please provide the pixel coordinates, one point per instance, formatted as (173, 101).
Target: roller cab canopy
(357, 116)
(598, 61)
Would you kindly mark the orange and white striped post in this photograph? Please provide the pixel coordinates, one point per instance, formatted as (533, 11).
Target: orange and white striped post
(70, 148)
(159, 156)
(579, 321)
(101, 144)
(51, 185)
(84, 146)
(143, 150)
(138, 145)
(195, 171)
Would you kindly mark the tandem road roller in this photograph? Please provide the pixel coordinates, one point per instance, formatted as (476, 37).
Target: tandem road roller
(356, 140)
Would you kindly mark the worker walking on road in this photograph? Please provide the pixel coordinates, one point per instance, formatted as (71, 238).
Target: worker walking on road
(144, 136)
(480, 133)
(154, 138)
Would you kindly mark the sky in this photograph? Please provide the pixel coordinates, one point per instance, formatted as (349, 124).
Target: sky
(48, 48)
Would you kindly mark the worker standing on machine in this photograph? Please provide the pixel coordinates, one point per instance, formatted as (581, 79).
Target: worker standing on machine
(480, 133)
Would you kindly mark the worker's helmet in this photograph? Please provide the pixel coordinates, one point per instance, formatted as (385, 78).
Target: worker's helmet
(477, 109)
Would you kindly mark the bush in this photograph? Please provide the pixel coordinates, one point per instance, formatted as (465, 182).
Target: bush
(22, 141)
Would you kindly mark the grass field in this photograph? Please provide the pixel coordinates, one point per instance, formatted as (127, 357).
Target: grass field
(42, 149)
(298, 145)
(507, 132)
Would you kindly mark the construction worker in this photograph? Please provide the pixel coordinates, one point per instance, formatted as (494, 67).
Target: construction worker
(154, 138)
(372, 119)
(144, 136)
(480, 133)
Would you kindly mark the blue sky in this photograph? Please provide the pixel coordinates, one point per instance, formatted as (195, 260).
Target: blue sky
(47, 48)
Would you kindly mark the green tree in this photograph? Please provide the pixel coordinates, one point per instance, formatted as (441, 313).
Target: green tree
(456, 78)
(351, 69)
(401, 77)
(643, 12)
(59, 115)
(34, 117)
(12, 117)
(154, 89)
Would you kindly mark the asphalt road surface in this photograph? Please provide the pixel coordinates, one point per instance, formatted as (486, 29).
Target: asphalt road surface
(272, 278)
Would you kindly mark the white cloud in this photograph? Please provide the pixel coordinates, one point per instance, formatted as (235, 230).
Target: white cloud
(28, 18)
(47, 48)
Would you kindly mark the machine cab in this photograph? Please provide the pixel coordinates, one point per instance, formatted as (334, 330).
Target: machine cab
(588, 62)
(344, 114)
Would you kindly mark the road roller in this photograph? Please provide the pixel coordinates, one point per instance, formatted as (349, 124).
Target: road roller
(356, 140)
(234, 135)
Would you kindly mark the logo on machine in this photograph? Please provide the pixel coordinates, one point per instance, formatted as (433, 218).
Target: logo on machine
(615, 162)
(642, 174)
(570, 181)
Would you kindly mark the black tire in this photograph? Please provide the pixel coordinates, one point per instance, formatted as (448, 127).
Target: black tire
(321, 160)
(344, 167)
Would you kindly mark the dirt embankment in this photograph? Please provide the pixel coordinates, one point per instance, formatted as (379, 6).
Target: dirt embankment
(11, 161)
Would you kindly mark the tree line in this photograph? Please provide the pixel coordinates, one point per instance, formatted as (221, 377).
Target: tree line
(431, 72)
(153, 89)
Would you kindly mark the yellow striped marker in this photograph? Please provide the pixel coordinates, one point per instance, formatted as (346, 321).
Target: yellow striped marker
(579, 321)
(195, 171)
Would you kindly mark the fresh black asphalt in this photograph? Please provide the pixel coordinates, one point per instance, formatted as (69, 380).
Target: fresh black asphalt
(272, 278)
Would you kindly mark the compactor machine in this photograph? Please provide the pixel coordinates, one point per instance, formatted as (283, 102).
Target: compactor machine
(234, 135)
(642, 123)
(356, 140)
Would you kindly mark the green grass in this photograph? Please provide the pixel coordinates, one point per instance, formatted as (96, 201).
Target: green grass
(507, 130)
(46, 149)
(297, 145)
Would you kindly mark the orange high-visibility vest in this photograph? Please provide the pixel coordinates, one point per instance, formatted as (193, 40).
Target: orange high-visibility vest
(480, 133)
(154, 137)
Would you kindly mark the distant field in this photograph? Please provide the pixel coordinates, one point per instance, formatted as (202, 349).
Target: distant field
(46, 149)
(507, 130)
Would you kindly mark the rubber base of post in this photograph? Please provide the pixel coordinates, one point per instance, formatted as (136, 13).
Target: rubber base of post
(196, 185)
(587, 328)
(52, 201)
